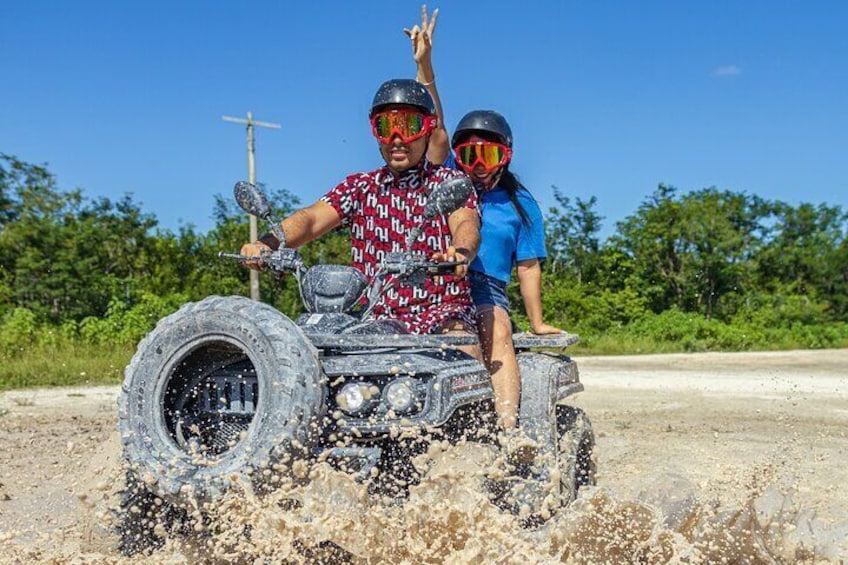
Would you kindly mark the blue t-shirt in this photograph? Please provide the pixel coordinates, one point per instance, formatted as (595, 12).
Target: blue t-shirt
(504, 238)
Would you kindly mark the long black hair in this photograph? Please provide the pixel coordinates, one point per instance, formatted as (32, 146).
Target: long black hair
(508, 180)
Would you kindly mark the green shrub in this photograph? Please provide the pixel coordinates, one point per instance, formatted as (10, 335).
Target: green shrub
(19, 329)
(781, 311)
(580, 308)
(124, 324)
(676, 331)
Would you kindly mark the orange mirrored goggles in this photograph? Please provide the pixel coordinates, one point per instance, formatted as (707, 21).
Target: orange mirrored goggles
(489, 154)
(407, 124)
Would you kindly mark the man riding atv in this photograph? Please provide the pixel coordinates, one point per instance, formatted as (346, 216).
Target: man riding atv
(383, 206)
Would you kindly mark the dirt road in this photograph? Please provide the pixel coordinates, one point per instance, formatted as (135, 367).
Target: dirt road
(764, 435)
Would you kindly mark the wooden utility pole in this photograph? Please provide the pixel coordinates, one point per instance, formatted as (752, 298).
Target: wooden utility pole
(251, 176)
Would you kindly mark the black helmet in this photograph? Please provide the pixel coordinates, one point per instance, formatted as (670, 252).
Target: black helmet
(403, 91)
(487, 121)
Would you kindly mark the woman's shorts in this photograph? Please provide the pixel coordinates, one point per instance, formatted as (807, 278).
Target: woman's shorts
(488, 291)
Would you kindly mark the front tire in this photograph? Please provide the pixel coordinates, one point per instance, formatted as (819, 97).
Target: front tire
(220, 387)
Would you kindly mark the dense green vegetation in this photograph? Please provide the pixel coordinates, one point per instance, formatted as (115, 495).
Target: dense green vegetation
(82, 280)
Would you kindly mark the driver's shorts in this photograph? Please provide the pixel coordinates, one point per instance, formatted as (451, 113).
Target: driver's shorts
(488, 291)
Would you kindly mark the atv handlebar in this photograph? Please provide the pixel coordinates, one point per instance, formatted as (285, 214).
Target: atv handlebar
(285, 260)
(279, 261)
(410, 263)
(408, 266)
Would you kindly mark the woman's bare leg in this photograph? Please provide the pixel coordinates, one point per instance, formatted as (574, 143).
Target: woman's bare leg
(499, 355)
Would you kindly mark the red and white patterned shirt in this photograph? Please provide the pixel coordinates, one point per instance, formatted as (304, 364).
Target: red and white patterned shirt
(380, 208)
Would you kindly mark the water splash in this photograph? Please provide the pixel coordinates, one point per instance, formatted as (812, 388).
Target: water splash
(448, 516)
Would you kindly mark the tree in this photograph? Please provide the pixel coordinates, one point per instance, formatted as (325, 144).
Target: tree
(837, 288)
(64, 256)
(652, 239)
(723, 231)
(30, 236)
(804, 251)
(690, 251)
(572, 235)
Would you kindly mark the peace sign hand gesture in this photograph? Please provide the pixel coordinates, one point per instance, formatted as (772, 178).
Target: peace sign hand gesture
(422, 44)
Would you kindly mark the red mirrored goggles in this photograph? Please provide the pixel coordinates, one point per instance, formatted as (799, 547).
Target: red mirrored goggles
(489, 154)
(407, 124)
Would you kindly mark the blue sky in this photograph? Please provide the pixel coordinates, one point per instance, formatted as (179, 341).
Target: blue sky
(606, 99)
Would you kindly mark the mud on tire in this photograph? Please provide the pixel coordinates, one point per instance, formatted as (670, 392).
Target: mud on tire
(574, 457)
(562, 433)
(173, 400)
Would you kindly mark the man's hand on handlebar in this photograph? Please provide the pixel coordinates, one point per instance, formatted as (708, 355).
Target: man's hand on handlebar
(453, 255)
(255, 249)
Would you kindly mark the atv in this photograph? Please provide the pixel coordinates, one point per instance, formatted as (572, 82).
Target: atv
(228, 387)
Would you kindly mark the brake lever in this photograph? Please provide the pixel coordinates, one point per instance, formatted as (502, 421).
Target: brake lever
(239, 257)
(443, 267)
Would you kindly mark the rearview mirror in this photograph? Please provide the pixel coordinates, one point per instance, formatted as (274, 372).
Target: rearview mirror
(448, 197)
(252, 200)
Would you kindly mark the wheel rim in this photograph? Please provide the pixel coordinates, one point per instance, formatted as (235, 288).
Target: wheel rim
(210, 397)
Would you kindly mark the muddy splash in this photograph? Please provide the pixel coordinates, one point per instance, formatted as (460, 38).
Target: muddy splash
(448, 517)
(749, 468)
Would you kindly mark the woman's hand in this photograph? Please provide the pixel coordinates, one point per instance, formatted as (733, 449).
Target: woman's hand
(422, 44)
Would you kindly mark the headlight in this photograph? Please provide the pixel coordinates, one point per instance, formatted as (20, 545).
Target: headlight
(356, 398)
(400, 395)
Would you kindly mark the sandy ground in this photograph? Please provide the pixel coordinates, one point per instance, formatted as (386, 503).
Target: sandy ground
(727, 424)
